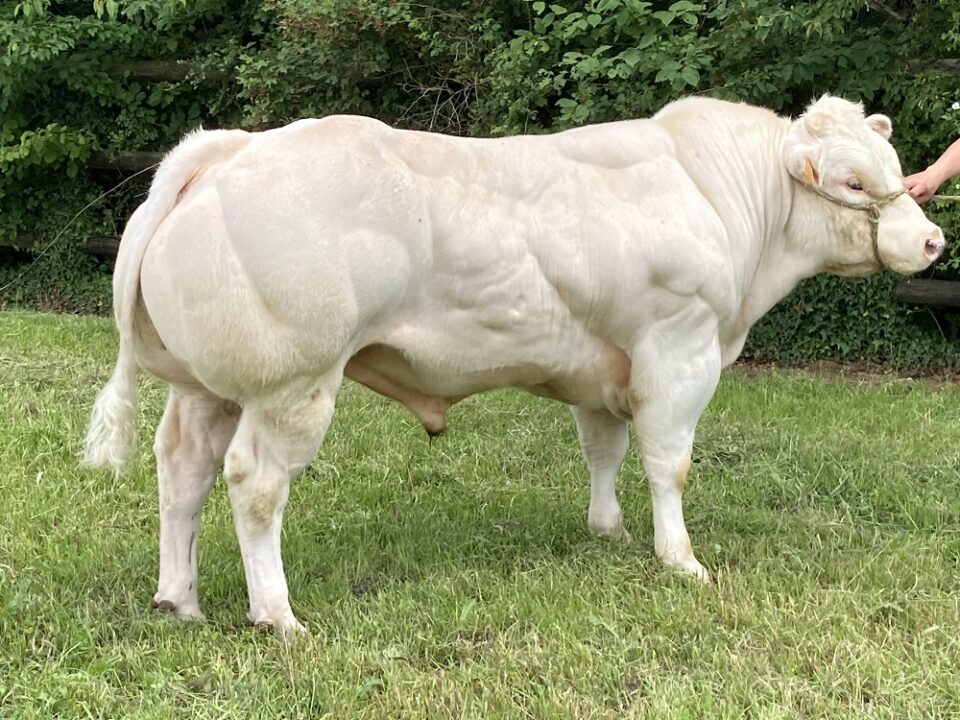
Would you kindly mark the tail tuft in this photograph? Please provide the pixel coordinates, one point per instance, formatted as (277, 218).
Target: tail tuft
(112, 435)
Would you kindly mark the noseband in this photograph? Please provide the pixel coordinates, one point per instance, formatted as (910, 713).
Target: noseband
(872, 209)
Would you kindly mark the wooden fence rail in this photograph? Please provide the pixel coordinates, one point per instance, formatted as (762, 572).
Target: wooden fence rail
(166, 71)
(945, 293)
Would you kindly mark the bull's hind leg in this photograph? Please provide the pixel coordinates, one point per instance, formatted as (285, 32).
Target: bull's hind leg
(190, 443)
(274, 441)
(604, 442)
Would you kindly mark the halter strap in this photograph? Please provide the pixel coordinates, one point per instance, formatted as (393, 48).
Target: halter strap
(872, 209)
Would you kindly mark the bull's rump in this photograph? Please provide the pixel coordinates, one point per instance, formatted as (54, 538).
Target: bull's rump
(464, 255)
(271, 262)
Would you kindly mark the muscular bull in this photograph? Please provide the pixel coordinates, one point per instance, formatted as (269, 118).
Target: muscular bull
(616, 268)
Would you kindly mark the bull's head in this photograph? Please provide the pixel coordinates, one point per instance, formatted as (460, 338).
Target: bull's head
(845, 158)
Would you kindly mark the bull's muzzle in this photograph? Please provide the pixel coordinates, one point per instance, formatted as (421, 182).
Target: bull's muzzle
(933, 246)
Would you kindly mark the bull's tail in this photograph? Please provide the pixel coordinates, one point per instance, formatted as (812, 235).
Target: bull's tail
(112, 434)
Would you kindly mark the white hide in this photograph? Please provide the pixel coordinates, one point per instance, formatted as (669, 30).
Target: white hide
(615, 267)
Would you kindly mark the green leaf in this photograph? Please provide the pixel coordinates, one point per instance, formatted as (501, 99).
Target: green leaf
(691, 76)
(631, 57)
(665, 16)
(647, 40)
(684, 6)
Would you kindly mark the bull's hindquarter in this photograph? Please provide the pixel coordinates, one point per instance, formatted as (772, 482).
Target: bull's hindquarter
(616, 268)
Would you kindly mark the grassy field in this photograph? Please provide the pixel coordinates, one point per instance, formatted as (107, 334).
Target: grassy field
(457, 579)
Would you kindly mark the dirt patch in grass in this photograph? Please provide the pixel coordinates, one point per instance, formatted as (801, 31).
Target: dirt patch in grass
(859, 372)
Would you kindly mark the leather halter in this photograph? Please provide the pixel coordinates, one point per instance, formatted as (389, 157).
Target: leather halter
(872, 209)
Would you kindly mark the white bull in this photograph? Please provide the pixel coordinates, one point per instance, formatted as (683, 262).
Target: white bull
(616, 268)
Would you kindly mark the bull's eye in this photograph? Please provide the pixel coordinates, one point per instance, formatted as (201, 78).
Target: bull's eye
(854, 184)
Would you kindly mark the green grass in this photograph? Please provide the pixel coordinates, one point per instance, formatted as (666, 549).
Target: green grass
(457, 579)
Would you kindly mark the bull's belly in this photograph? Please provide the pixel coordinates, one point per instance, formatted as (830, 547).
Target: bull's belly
(598, 377)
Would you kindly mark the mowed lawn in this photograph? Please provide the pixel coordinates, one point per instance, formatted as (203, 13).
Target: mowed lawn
(457, 578)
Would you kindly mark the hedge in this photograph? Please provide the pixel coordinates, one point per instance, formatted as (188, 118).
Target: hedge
(72, 82)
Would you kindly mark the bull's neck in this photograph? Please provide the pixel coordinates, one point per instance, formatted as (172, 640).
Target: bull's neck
(761, 223)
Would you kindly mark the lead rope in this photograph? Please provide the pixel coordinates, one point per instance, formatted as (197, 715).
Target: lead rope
(872, 209)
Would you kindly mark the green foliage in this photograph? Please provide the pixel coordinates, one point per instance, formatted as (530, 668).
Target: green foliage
(64, 277)
(854, 319)
(594, 61)
(415, 65)
(483, 68)
(608, 59)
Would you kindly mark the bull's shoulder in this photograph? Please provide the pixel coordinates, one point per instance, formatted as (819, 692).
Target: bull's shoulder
(713, 121)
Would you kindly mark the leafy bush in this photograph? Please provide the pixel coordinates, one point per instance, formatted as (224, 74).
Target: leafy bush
(410, 64)
(485, 68)
(65, 93)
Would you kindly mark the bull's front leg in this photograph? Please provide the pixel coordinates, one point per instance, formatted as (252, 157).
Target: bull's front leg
(604, 442)
(675, 372)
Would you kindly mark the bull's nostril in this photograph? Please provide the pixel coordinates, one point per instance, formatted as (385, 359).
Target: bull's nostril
(932, 248)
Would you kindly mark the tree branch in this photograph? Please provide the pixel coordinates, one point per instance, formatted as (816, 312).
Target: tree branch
(884, 8)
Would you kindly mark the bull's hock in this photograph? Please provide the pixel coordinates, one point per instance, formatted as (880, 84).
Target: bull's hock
(616, 268)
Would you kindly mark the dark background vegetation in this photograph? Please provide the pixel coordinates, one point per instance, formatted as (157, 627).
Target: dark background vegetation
(67, 90)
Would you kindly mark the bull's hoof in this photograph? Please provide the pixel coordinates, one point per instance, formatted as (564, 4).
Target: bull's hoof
(287, 627)
(179, 611)
(690, 566)
(610, 529)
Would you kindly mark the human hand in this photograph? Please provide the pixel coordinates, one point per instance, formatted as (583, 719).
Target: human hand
(922, 185)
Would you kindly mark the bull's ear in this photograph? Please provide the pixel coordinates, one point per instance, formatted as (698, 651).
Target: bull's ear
(881, 125)
(802, 153)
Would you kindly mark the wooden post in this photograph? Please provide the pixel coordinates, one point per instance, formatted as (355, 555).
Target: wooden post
(929, 292)
(21, 242)
(102, 245)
